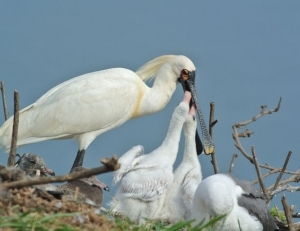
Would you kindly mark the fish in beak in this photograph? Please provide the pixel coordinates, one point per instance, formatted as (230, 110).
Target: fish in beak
(187, 80)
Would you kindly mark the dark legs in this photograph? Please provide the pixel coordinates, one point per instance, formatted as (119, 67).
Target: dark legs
(79, 159)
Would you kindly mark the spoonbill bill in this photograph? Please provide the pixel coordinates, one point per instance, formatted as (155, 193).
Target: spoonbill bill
(187, 176)
(144, 182)
(245, 207)
(89, 189)
(88, 105)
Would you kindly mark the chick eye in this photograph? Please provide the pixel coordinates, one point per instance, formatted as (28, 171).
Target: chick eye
(32, 161)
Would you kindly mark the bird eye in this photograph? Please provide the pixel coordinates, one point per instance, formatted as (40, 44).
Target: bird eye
(185, 74)
(32, 161)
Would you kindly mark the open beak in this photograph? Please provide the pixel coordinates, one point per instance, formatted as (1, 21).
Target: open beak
(187, 80)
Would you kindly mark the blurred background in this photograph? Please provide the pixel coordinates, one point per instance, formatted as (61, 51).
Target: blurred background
(247, 54)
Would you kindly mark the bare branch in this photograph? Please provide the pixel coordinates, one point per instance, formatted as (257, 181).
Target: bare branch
(13, 146)
(293, 178)
(234, 156)
(282, 170)
(262, 185)
(286, 187)
(68, 177)
(4, 100)
(287, 213)
(262, 113)
(247, 133)
(212, 122)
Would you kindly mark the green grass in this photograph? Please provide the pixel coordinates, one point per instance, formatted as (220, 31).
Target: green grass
(160, 226)
(35, 220)
(276, 213)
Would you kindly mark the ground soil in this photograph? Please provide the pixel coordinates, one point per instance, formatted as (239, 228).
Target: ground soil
(31, 199)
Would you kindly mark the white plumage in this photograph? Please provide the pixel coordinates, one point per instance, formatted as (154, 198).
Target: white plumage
(244, 205)
(187, 176)
(88, 105)
(143, 184)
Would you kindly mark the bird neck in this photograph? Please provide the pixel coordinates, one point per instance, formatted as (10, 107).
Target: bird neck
(190, 153)
(156, 97)
(171, 141)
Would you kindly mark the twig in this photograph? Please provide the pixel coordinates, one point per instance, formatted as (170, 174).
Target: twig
(262, 185)
(247, 133)
(286, 187)
(287, 213)
(277, 211)
(212, 123)
(282, 170)
(76, 194)
(13, 146)
(296, 215)
(68, 177)
(267, 174)
(275, 170)
(292, 208)
(4, 100)
(293, 178)
(234, 156)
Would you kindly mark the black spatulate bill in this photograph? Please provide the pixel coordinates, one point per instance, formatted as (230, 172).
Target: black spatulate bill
(187, 80)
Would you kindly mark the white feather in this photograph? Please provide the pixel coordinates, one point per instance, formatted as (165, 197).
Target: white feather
(143, 187)
(91, 104)
(217, 195)
(187, 176)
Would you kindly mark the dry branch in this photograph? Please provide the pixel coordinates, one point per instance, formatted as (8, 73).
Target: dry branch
(234, 156)
(282, 170)
(109, 165)
(287, 213)
(212, 123)
(13, 146)
(247, 133)
(4, 100)
(262, 185)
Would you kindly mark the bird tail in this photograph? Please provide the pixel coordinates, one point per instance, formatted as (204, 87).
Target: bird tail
(6, 134)
(7, 129)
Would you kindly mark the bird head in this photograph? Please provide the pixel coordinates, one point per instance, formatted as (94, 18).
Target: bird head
(187, 80)
(33, 165)
(92, 180)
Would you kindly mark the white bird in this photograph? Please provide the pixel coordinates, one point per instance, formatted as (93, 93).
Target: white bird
(88, 105)
(187, 176)
(127, 161)
(245, 207)
(143, 184)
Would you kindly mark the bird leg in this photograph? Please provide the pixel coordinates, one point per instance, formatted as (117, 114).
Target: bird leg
(79, 159)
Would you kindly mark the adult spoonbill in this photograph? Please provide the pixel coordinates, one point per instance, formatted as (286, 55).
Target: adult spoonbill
(88, 105)
(144, 181)
(244, 205)
(187, 176)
